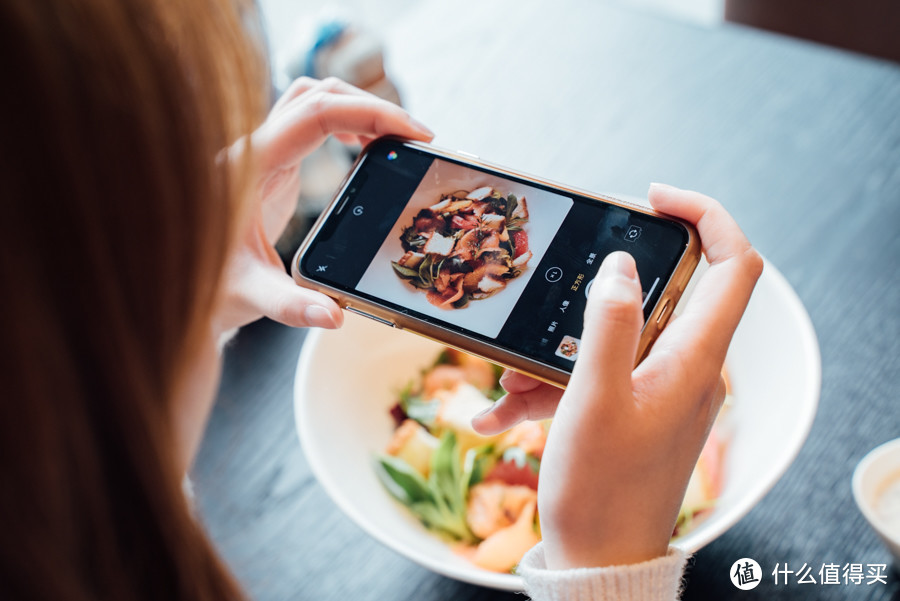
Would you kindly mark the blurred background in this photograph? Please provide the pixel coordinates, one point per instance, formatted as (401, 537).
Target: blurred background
(393, 48)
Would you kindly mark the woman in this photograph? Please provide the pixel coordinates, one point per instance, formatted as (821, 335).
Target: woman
(142, 191)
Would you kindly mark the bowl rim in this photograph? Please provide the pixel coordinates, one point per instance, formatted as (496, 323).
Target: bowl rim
(690, 542)
(866, 504)
(473, 575)
(695, 540)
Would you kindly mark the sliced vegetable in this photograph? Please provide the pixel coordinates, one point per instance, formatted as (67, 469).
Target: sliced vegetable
(402, 481)
(439, 501)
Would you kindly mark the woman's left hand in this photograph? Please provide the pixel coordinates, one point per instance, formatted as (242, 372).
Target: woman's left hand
(256, 283)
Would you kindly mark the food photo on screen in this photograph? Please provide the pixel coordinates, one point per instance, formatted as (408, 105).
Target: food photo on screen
(465, 246)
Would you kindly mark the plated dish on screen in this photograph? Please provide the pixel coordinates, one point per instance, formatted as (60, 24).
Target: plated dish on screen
(465, 247)
(477, 493)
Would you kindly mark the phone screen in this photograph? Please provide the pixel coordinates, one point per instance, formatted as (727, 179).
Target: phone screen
(501, 259)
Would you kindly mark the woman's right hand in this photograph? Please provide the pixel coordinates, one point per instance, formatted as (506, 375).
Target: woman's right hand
(625, 440)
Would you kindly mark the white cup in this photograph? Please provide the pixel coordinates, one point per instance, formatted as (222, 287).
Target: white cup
(872, 477)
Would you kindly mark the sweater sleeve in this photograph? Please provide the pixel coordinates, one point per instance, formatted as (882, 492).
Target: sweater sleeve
(655, 580)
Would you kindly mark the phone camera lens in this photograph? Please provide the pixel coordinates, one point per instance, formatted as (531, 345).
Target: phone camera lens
(391, 155)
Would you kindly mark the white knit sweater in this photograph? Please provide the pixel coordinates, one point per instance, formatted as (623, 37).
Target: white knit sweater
(655, 580)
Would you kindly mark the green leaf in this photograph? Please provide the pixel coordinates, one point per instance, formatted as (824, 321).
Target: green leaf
(443, 359)
(430, 515)
(445, 466)
(511, 203)
(404, 272)
(495, 394)
(425, 272)
(440, 501)
(445, 480)
(516, 455)
(498, 371)
(477, 463)
(461, 301)
(498, 202)
(516, 224)
(405, 394)
(438, 519)
(410, 239)
(402, 480)
(423, 411)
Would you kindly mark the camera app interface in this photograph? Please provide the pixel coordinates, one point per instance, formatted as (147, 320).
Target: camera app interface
(501, 259)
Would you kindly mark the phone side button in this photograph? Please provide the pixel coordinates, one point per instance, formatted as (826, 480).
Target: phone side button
(467, 154)
(364, 314)
(663, 314)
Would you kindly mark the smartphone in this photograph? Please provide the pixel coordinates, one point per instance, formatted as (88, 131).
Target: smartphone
(490, 261)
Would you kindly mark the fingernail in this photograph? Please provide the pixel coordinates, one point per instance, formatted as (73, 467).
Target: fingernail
(619, 263)
(659, 186)
(420, 126)
(483, 423)
(319, 317)
(483, 412)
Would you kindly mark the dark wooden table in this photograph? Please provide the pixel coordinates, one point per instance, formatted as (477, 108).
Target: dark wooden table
(800, 142)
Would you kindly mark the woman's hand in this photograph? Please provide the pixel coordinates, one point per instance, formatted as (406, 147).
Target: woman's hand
(624, 441)
(256, 282)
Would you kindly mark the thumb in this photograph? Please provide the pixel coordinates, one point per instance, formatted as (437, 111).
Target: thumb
(612, 327)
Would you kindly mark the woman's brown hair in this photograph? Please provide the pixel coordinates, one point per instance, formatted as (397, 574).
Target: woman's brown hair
(118, 211)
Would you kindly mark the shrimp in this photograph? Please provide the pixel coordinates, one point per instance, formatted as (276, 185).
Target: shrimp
(531, 437)
(504, 549)
(495, 505)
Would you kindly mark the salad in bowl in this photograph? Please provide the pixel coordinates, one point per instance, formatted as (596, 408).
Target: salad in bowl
(479, 493)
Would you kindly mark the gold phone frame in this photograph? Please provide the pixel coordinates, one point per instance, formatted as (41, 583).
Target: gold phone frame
(552, 375)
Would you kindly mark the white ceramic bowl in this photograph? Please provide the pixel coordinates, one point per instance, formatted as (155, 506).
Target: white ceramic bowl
(876, 470)
(347, 380)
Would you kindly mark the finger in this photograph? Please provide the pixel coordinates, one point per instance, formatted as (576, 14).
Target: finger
(513, 381)
(297, 87)
(271, 292)
(348, 139)
(302, 85)
(707, 323)
(719, 397)
(305, 85)
(612, 328)
(282, 141)
(709, 406)
(537, 403)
